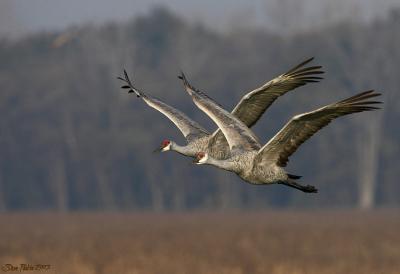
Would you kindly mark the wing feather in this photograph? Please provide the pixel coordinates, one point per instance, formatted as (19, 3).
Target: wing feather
(301, 127)
(189, 128)
(238, 135)
(253, 105)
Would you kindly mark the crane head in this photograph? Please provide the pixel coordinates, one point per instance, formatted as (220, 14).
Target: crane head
(201, 158)
(165, 146)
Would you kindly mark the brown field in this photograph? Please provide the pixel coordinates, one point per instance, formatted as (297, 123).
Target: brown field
(263, 242)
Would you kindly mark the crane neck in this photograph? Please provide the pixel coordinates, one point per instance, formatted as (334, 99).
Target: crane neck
(223, 164)
(184, 150)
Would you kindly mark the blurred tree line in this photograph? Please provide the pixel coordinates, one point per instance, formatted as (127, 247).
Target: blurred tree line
(70, 139)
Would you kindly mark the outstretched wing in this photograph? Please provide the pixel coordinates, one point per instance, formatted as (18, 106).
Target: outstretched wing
(238, 135)
(189, 128)
(301, 127)
(253, 105)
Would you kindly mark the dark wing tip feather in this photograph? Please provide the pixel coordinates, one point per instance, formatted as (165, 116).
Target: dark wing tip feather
(364, 108)
(126, 76)
(182, 75)
(305, 74)
(185, 81)
(360, 102)
(360, 98)
(191, 89)
(306, 79)
(312, 77)
(307, 69)
(129, 85)
(371, 102)
(299, 65)
(312, 81)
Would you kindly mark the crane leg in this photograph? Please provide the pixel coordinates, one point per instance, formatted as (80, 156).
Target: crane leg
(307, 188)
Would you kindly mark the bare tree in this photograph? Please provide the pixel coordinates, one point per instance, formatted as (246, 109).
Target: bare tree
(369, 149)
(58, 179)
(2, 200)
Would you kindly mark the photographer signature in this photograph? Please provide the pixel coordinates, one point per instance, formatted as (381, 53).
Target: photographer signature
(25, 267)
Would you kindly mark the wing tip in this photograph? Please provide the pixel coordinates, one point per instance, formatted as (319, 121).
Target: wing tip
(129, 86)
(302, 73)
(360, 98)
(300, 65)
(189, 88)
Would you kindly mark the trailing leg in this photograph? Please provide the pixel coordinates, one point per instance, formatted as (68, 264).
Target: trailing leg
(307, 188)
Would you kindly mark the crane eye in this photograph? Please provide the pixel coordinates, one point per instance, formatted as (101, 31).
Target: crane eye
(165, 143)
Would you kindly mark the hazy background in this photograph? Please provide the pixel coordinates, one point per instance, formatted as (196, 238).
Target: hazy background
(81, 191)
(72, 140)
(19, 17)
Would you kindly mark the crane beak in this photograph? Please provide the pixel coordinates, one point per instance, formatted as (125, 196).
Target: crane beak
(195, 161)
(157, 150)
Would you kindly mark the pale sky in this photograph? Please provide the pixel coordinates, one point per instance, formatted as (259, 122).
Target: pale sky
(18, 17)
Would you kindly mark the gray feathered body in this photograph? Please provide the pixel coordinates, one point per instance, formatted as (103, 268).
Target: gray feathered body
(245, 166)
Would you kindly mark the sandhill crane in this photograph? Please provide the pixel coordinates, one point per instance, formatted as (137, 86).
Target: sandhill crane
(249, 109)
(264, 165)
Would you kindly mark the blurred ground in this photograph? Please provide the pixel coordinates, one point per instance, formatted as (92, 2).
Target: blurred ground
(264, 242)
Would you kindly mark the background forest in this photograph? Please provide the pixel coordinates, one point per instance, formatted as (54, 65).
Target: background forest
(71, 139)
